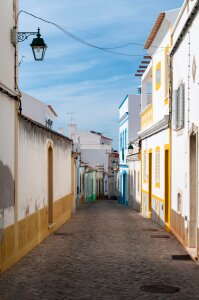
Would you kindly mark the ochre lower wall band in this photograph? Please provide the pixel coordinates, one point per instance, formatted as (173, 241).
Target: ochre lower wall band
(22, 237)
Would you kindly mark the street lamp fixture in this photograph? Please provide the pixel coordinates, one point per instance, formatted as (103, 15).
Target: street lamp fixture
(130, 149)
(38, 45)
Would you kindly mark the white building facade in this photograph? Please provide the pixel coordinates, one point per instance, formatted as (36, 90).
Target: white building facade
(129, 125)
(9, 104)
(35, 163)
(155, 123)
(37, 110)
(185, 107)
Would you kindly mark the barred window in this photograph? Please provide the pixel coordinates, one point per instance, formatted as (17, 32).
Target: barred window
(179, 107)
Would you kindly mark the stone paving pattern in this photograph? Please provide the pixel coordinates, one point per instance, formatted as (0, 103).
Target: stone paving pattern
(104, 253)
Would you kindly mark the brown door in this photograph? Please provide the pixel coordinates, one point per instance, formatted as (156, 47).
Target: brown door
(50, 185)
(193, 192)
(166, 185)
(150, 182)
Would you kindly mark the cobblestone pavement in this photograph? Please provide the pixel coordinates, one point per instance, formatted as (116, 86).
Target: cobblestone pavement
(104, 252)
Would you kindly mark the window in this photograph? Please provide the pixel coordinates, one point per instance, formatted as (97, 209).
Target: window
(179, 202)
(178, 107)
(158, 76)
(126, 138)
(157, 167)
(121, 141)
(123, 154)
(144, 167)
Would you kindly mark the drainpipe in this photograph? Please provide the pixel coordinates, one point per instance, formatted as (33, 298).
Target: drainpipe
(170, 133)
(197, 231)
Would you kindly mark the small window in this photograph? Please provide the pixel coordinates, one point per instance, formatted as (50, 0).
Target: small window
(125, 138)
(121, 141)
(179, 107)
(179, 202)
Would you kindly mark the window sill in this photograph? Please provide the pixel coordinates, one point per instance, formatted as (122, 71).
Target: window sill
(179, 131)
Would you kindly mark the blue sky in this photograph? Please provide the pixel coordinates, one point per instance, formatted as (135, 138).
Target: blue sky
(77, 78)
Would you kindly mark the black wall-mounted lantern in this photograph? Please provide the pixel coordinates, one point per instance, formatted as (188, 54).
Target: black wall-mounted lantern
(38, 45)
(130, 149)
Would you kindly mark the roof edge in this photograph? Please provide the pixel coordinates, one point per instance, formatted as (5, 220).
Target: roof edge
(154, 30)
(123, 101)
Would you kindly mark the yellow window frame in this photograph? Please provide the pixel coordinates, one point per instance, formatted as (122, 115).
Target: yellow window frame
(158, 69)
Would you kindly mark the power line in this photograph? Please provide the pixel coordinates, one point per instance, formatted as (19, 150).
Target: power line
(76, 38)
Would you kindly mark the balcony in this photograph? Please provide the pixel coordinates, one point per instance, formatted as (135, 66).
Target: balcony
(146, 96)
(146, 117)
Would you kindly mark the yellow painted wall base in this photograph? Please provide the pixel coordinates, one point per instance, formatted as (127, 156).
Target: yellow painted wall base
(22, 237)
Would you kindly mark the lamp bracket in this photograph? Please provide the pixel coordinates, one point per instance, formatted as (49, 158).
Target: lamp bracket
(22, 36)
(17, 37)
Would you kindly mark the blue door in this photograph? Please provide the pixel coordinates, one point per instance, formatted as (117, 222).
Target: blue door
(124, 188)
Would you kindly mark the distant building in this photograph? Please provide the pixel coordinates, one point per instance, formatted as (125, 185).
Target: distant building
(113, 169)
(129, 125)
(94, 148)
(37, 110)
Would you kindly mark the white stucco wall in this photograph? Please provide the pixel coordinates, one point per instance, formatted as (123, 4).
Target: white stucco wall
(180, 139)
(36, 109)
(7, 115)
(33, 168)
(158, 192)
(134, 108)
(134, 186)
(7, 158)
(6, 49)
(95, 157)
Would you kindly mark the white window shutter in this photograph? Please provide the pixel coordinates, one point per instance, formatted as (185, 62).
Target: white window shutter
(175, 109)
(181, 106)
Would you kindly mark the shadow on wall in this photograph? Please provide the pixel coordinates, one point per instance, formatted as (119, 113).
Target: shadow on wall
(136, 205)
(155, 217)
(6, 191)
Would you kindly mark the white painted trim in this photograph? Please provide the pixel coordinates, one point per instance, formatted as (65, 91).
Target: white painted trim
(8, 89)
(163, 124)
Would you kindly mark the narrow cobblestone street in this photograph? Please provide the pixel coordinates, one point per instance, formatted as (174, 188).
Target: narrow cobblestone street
(104, 252)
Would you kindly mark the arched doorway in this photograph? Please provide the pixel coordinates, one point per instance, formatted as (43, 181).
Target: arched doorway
(50, 185)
